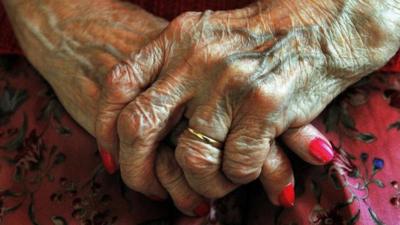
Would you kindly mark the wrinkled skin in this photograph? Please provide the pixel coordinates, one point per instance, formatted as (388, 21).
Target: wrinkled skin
(241, 77)
(70, 73)
(80, 64)
(74, 46)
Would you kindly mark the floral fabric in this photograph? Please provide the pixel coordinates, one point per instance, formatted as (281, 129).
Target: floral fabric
(51, 173)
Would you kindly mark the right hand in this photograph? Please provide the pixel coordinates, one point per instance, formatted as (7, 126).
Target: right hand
(158, 174)
(138, 162)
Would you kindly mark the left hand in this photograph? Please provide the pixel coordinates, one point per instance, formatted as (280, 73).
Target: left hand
(82, 41)
(243, 77)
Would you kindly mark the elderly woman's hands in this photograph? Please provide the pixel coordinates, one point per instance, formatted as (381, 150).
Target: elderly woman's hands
(242, 78)
(75, 68)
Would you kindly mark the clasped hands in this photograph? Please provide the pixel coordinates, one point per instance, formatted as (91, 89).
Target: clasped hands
(241, 78)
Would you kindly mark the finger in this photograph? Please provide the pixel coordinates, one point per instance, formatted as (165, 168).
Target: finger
(277, 177)
(259, 118)
(309, 144)
(125, 81)
(142, 124)
(172, 179)
(248, 142)
(199, 160)
(245, 150)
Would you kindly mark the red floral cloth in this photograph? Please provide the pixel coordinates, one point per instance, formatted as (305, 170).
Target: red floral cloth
(51, 174)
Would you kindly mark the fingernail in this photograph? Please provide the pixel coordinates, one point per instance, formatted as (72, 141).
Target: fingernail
(108, 161)
(321, 150)
(287, 196)
(155, 198)
(202, 210)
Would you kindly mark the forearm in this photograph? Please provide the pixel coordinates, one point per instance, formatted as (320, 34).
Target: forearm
(368, 29)
(90, 34)
(73, 44)
(303, 12)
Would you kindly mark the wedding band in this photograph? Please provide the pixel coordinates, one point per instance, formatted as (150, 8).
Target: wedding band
(205, 138)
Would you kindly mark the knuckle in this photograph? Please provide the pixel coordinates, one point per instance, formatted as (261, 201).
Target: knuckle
(139, 118)
(237, 64)
(194, 160)
(243, 157)
(189, 15)
(231, 68)
(147, 116)
(241, 64)
(125, 78)
(184, 21)
(117, 75)
(233, 80)
(267, 98)
(247, 146)
(239, 173)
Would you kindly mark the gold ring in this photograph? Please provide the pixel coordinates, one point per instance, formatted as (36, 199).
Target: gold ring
(205, 138)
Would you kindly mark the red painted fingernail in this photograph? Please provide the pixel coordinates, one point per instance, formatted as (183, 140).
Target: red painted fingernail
(155, 198)
(287, 196)
(202, 210)
(108, 161)
(321, 150)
